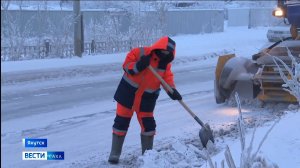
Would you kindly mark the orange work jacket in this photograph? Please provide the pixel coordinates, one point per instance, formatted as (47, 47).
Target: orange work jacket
(140, 90)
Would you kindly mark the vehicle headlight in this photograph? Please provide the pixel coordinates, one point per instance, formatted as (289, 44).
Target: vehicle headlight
(278, 12)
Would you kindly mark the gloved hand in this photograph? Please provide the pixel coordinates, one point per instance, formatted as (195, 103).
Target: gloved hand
(163, 63)
(164, 59)
(176, 95)
(143, 63)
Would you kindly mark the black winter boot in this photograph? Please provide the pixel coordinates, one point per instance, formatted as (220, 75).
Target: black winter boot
(147, 142)
(116, 148)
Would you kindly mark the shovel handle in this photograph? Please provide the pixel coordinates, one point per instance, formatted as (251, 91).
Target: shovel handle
(169, 89)
(191, 113)
(163, 82)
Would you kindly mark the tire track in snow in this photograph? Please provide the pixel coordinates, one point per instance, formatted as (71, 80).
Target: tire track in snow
(13, 78)
(70, 123)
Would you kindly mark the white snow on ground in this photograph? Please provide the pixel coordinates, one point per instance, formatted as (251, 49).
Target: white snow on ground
(281, 147)
(84, 131)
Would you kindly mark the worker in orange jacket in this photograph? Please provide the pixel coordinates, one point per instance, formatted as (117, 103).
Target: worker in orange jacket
(138, 91)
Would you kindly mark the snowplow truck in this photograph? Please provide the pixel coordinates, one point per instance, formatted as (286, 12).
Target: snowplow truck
(259, 77)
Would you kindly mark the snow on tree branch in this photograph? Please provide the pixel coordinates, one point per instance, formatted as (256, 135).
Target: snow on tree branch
(240, 122)
(229, 158)
(292, 82)
(264, 138)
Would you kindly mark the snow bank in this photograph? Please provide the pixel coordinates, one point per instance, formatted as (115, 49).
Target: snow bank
(42, 64)
(232, 40)
(177, 154)
(282, 146)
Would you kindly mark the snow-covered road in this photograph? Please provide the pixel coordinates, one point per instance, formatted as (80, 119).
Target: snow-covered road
(19, 100)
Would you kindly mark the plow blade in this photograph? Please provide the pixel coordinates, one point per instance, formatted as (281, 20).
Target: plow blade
(250, 79)
(234, 74)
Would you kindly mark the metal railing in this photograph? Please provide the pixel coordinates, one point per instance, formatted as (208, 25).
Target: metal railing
(50, 50)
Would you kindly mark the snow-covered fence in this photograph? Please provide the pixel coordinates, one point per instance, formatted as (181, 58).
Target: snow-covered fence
(263, 17)
(35, 52)
(252, 17)
(116, 46)
(50, 50)
(238, 17)
(24, 32)
(194, 21)
(153, 23)
(117, 22)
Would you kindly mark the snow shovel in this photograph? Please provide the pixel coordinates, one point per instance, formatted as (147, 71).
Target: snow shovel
(205, 133)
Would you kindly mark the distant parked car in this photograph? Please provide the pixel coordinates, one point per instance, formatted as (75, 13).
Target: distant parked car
(278, 33)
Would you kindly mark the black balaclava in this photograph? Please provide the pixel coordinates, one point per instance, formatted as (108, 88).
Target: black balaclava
(164, 59)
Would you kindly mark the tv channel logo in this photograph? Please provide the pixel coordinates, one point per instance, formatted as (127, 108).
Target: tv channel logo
(55, 155)
(34, 155)
(34, 143)
(43, 155)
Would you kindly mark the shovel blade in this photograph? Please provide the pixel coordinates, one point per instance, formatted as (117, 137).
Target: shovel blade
(205, 135)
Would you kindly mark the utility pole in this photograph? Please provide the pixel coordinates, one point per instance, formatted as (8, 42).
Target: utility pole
(78, 39)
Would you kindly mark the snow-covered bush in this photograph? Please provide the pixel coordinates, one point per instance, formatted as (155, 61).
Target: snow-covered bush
(292, 82)
(24, 33)
(60, 35)
(249, 158)
(14, 36)
(145, 24)
(142, 28)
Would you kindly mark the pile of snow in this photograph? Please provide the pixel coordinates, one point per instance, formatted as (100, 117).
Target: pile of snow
(177, 153)
(281, 147)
